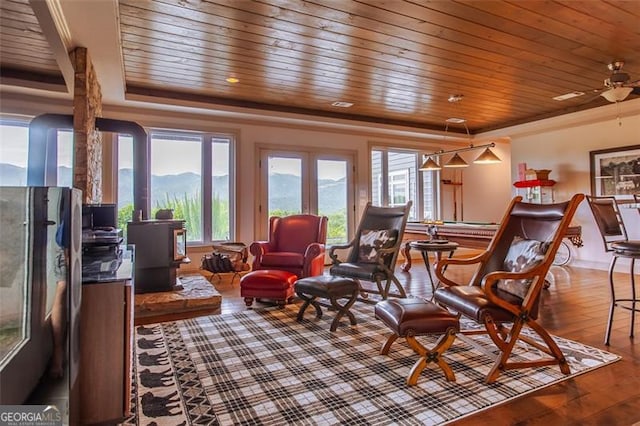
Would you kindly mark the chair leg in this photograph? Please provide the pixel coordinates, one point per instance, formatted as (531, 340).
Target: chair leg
(342, 310)
(505, 347)
(308, 300)
(613, 300)
(506, 343)
(431, 355)
(634, 299)
(552, 346)
(383, 291)
(398, 284)
(387, 344)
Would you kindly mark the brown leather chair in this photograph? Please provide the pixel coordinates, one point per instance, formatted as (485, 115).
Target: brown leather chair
(614, 236)
(374, 250)
(503, 294)
(296, 244)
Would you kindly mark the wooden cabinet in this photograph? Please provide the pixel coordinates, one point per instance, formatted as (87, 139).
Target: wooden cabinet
(106, 333)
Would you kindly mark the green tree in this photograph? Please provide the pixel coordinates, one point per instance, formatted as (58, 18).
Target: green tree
(125, 214)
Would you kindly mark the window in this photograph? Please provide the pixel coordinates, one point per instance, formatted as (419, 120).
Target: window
(65, 158)
(14, 156)
(125, 181)
(179, 161)
(294, 181)
(396, 170)
(14, 151)
(398, 187)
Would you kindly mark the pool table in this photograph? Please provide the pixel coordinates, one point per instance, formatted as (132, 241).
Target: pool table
(467, 234)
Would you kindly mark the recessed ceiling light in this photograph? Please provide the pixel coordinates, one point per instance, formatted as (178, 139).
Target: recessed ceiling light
(232, 80)
(341, 104)
(455, 120)
(568, 96)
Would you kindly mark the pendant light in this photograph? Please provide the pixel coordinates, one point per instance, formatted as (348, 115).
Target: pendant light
(487, 157)
(456, 162)
(430, 165)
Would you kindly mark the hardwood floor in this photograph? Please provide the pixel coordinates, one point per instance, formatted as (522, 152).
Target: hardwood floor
(575, 307)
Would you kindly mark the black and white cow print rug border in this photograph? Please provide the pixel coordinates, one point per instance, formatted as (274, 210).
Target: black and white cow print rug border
(166, 389)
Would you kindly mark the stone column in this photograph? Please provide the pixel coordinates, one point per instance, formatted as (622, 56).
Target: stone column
(87, 144)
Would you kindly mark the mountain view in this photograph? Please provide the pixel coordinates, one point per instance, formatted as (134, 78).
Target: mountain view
(332, 192)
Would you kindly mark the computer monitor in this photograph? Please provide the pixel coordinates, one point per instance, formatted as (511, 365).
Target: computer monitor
(99, 216)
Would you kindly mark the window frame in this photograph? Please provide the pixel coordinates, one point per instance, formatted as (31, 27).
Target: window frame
(382, 183)
(207, 139)
(404, 183)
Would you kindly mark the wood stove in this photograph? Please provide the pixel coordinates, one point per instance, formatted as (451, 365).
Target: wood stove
(160, 247)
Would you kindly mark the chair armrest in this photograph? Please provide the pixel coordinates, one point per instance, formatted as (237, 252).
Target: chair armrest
(257, 249)
(442, 264)
(313, 262)
(313, 250)
(333, 256)
(383, 254)
(489, 287)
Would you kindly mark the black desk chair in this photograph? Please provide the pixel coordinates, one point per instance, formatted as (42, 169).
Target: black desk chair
(614, 236)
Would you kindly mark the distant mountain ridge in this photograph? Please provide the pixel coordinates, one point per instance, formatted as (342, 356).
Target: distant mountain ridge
(332, 192)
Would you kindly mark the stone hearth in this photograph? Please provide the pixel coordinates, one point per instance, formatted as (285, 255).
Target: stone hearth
(196, 297)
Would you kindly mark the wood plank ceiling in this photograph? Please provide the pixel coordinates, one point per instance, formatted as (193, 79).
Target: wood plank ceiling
(24, 50)
(397, 61)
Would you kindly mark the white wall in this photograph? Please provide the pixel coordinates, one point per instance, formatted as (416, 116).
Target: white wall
(563, 145)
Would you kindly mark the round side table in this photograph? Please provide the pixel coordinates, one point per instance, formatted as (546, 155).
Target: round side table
(437, 247)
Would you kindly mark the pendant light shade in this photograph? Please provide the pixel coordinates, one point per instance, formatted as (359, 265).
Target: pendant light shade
(456, 161)
(430, 165)
(487, 157)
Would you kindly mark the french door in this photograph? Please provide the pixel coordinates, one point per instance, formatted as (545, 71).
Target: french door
(295, 182)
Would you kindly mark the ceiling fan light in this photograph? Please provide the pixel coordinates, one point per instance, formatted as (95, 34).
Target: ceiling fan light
(616, 94)
(487, 157)
(430, 165)
(456, 161)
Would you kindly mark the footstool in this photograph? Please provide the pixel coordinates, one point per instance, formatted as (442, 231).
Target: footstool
(268, 284)
(413, 317)
(328, 287)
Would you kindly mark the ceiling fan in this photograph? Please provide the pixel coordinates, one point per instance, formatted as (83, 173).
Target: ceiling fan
(616, 87)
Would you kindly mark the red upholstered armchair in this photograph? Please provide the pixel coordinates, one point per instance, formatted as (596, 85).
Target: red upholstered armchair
(296, 244)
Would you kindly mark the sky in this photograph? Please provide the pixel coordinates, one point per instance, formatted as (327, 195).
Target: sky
(168, 157)
(14, 141)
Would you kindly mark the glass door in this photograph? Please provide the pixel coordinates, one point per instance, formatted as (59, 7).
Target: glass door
(295, 182)
(332, 184)
(286, 185)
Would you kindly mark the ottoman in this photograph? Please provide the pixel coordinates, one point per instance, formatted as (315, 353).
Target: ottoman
(417, 317)
(268, 284)
(328, 287)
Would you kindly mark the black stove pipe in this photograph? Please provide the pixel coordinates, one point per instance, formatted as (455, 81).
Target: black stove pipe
(42, 172)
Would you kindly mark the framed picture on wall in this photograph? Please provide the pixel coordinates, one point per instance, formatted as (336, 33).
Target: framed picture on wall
(616, 171)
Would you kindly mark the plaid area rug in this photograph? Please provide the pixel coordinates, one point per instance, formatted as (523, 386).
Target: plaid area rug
(262, 367)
